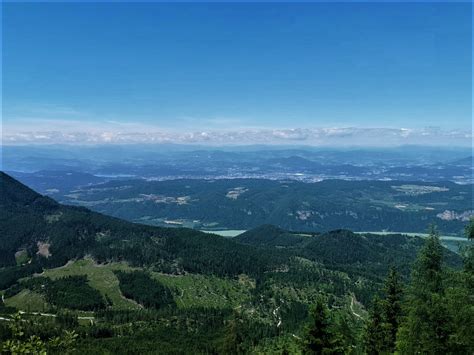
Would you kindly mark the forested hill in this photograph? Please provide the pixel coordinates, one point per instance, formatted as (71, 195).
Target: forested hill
(53, 234)
(342, 249)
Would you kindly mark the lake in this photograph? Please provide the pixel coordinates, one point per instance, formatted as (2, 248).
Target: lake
(229, 233)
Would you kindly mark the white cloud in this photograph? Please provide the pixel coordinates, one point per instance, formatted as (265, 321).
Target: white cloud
(83, 132)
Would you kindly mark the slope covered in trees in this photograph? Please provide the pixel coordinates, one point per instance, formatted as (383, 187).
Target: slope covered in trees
(432, 314)
(343, 249)
(52, 234)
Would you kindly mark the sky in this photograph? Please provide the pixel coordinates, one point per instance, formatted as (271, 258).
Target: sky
(315, 73)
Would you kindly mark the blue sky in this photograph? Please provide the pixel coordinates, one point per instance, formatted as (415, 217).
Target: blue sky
(204, 67)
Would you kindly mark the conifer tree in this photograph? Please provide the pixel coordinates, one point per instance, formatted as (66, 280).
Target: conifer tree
(346, 332)
(319, 339)
(459, 297)
(377, 332)
(392, 306)
(426, 326)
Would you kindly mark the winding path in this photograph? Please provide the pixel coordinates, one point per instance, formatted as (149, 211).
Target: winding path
(352, 308)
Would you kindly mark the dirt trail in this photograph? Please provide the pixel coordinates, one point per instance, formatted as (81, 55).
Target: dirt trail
(53, 315)
(352, 308)
(277, 316)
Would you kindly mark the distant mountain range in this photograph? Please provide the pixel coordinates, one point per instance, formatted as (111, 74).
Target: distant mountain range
(408, 163)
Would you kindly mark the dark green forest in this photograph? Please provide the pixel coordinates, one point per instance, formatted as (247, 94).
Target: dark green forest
(141, 288)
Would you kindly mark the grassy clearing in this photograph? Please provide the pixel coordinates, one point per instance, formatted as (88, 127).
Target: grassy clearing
(188, 291)
(28, 301)
(101, 277)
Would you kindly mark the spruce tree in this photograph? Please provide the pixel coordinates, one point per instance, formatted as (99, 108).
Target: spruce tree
(392, 306)
(319, 339)
(346, 332)
(377, 332)
(460, 295)
(384, 317)
(426, 327)
(427, 272)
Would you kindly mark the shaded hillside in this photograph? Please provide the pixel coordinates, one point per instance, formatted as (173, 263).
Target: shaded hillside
(52, 234)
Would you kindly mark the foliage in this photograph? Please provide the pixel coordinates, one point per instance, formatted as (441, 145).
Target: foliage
(321, 337)
(21, 343)
(392, 307)
(234, 339)
(140, 287)
(438, 307)
(72, 292)
(377, 333)
(426, 325)
(67, 320)
(384, 318)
